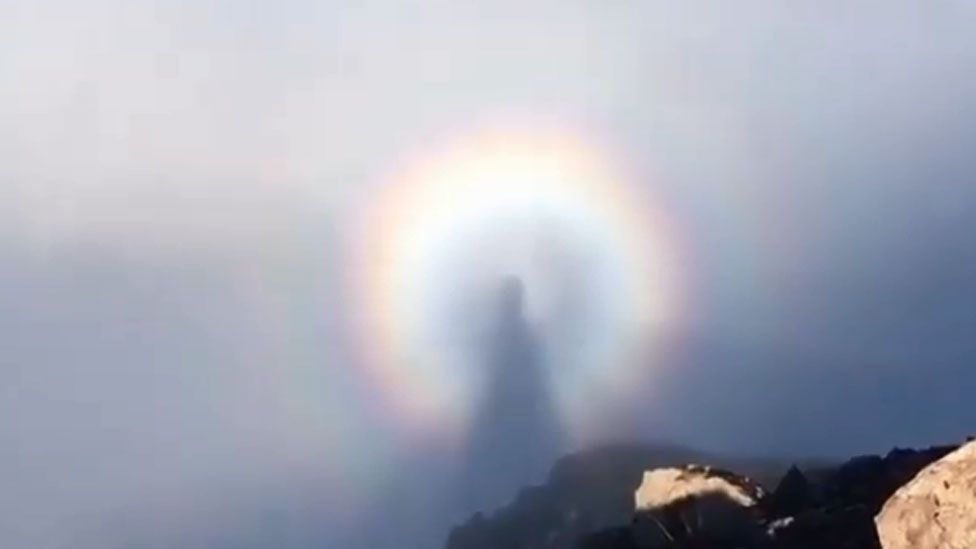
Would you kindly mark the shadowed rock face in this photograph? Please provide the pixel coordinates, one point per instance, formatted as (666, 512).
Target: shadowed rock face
(793, 494)
(515, 436)
(709, 506)
(835, 513)
(586, 492)
(589, 503)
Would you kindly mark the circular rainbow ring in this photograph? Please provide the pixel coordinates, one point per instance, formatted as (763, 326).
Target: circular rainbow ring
(448, 201)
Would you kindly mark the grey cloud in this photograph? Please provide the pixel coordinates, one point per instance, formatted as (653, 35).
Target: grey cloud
(178, 181)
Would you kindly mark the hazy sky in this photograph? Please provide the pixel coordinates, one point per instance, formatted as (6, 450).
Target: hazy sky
(176, 180)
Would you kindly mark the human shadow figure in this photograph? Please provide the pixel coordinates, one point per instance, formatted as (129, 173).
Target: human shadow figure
(515, 436)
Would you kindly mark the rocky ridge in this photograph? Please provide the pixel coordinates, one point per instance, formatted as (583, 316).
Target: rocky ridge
(594, 500)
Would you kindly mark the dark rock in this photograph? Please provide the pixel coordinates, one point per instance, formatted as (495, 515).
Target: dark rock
(871, 480)
(850, 528)
(619, 538)
(840, 513)
(585, 493)
(793, 494)
(832, 509)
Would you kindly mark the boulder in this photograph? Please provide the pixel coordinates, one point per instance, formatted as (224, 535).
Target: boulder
(706, 505)
(936, 509)
(662, 487)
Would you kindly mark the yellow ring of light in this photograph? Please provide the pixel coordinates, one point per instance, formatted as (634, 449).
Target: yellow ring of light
(430, 198)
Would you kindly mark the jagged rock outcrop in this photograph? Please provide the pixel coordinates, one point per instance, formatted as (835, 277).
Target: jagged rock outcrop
(586, 492)
(846, 527)
(696, 507)
(871, 480)
(793, 494)
(663, 487)
(711, 506)
(937, 509)
(835, 513)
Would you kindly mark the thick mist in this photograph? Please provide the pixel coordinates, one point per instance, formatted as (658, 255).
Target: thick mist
(179, 185)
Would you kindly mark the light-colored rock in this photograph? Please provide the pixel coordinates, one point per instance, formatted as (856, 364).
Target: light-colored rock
(662, 487)
(936, 509)
(700, 503)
